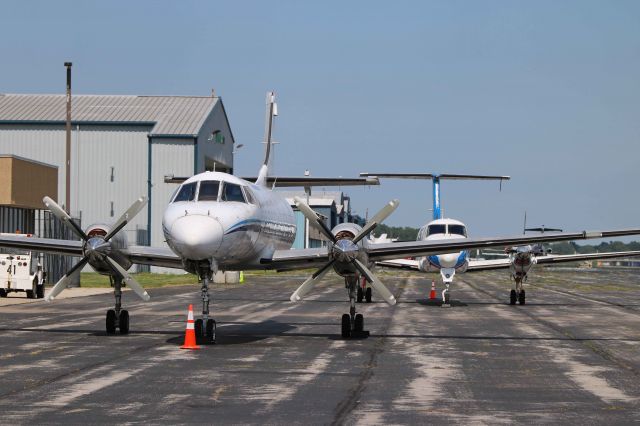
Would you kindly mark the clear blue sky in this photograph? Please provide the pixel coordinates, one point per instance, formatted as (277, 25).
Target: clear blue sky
(546, 91)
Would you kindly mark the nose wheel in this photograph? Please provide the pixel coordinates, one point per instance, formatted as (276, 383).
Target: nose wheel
(352, 324)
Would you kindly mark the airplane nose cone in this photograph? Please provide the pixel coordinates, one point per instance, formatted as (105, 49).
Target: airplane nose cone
(196, 237)
(448, 260)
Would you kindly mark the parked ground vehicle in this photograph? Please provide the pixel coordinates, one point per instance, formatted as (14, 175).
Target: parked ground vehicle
(22, 272)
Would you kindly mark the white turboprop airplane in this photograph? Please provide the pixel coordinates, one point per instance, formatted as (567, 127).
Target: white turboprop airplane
(520, 258)
(217, 221)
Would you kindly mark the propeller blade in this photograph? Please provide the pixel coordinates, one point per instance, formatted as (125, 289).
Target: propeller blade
(314, 220)
(310, 282)
(377, 219)
(64, 281)
(129, 281)
(126, 217)
(64, 217)
(375, 283)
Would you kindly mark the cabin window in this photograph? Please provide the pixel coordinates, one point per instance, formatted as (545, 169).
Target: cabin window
(186, 193)
(249, 195)
(208, 190)
(457, 230)
(437, 229)
(232, 192)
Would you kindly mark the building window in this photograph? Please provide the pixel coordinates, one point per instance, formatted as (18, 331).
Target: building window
(217, 137)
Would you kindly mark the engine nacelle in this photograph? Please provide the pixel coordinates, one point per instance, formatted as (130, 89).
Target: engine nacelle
(117, 243)
(348, 231)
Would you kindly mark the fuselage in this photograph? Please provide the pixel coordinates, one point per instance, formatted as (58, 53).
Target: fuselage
(234, 223)
(444, 229)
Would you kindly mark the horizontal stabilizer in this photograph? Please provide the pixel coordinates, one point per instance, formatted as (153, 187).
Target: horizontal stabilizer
(297, 181)
(431, 176)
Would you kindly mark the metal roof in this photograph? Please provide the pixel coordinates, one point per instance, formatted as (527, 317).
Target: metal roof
(169, 115)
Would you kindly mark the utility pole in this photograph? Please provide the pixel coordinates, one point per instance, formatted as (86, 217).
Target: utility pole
(68, 158)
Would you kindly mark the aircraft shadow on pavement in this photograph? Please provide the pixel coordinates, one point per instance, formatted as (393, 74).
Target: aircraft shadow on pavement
(241, 333)
(438, 302)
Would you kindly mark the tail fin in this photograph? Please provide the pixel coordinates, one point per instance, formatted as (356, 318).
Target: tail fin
(437, 212)
(272, 111)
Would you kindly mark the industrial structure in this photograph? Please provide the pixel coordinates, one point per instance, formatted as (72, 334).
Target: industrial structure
(121, 149)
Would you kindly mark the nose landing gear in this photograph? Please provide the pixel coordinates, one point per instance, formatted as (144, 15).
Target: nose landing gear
(205, 327)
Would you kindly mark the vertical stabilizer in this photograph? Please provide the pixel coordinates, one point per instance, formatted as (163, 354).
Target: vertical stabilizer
(272, 111)
(437, 213)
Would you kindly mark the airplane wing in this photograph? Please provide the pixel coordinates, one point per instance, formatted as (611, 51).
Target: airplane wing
(485, 265)
(284, 260)
(390, 251)
(560, 258)
(44, 245)
(410, 264)
(153, 256)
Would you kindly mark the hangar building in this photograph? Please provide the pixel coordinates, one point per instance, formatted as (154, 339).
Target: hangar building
(121, 149)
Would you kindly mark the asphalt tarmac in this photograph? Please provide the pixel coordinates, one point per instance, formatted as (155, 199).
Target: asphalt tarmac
(571, 355)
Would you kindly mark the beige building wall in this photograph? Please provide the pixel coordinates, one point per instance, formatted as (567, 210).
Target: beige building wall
(23, 182)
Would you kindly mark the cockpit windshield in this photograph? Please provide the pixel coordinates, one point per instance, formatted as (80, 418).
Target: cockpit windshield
(186, 193)
(457, 230)
(437, 229)
(208, 190)
(232, 192)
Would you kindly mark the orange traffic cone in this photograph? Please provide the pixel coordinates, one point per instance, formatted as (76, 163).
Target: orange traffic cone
(190, 333)
(432, 293)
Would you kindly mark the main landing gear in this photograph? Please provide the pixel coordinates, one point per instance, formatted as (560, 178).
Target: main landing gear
(205, 327)
(118, 317)
(517, 295)
(352, 323)
(363, 291)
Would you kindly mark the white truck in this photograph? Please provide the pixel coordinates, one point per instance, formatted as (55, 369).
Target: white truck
(22, 272)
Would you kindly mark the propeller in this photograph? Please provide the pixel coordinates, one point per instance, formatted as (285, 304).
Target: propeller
(96, 247)
(344, 251)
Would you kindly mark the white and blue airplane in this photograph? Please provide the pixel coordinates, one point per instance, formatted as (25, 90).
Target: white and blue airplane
(519, 260)
(216, 221)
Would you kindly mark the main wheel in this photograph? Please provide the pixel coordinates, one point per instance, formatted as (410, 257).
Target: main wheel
(513, 297)
(211, 330)
(521, 297)
(3, 292)
(40, 291)
(367, 295)
(359, 295)
(359, 323)
(346, 326)
(111, 321)
(32, 294)
(123, 322)
(197, 328)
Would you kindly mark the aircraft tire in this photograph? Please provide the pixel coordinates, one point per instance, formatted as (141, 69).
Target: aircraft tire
(123, 322)
(359, 324)
(198, 329)
(367, 295)
(111, 321)
(521, 297)
(359, 295)
(40, 291)
(211, 330)
(3, 292)
(346, 326)
(513, 297)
